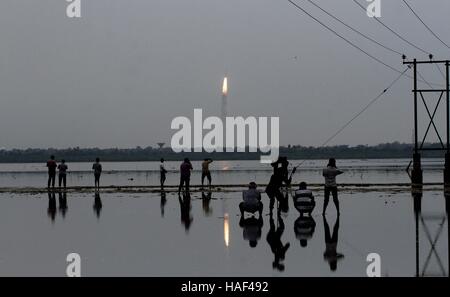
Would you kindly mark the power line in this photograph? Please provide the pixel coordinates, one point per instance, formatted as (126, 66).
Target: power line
(365, 108)
(393, 32)
(428, 28)
(343, 38)
(370, 103)
(348, 41)
(355, 30)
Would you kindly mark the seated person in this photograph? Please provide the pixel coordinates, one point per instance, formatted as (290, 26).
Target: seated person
(304, 199)
(252, 200)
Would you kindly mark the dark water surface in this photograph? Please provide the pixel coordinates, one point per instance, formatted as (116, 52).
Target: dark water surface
(119, 234)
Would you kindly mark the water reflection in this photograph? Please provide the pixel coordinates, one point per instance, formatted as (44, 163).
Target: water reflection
(97, 204)
(185, 209)
(331, 241)
(51, 210)
(274, 239)
(304, 228)
(163, 202)
(252, 229)
(62, 199)
(423, 222)
(284, 202)
(226, 229)
(206, 200)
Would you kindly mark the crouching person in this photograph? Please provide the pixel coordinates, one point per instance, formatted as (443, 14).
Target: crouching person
(304, 199)
(252, 200)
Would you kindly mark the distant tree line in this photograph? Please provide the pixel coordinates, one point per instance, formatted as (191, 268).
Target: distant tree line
(380, 151)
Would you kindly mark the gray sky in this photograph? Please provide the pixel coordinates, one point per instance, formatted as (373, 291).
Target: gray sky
(118, 75)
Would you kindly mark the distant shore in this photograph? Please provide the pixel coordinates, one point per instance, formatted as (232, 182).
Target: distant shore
(380, 151)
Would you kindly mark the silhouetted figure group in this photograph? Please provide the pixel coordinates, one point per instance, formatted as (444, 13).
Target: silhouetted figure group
(52, 166)
(185, 174)
(304, 203)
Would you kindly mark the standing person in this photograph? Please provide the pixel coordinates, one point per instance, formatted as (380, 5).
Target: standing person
(185, 174)
(205, 171)
(62, 176)
(51, 165)
(162, 172)
(330, 174)
(97, 167)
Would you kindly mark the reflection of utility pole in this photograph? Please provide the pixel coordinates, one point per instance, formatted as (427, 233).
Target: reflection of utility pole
(417, 200)
(419, 145)
(421, 223)
(447, 210)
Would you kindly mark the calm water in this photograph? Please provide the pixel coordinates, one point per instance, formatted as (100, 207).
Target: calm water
(144, 235)
(223, 172)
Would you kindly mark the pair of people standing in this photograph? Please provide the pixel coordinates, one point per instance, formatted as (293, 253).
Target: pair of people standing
(62, 172)
(185, 173)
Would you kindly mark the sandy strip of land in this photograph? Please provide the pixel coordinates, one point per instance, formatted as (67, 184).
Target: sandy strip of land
(348, 187)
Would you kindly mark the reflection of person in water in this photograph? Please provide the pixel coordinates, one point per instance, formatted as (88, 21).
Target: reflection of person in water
(331, 255)
(97, 204)
(163, 202)
(252, 229)
(62, 199)
(185, 208)
(274, 239)
(304, 228)
(51, 210)
(206, 199)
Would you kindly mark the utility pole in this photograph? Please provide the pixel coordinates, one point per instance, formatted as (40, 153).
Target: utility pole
(417, 178)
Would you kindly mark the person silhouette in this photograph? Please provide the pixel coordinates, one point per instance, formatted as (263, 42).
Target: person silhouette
(98, 205)
(330, 173)
(274, 239)
(163, 202)
(162, 173)
(304, 228)
(205, 171)
(62, 175)
(331, 255)
(206, 200)
(51, 210)
(252, 229)
(251, 200)
(97, 167)
(185, 175)
(279, 176)
(304, 200)
(51, 165)
(185, 209)
(62, 199)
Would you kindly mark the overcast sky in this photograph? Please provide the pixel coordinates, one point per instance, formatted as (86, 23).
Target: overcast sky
(117, 76)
